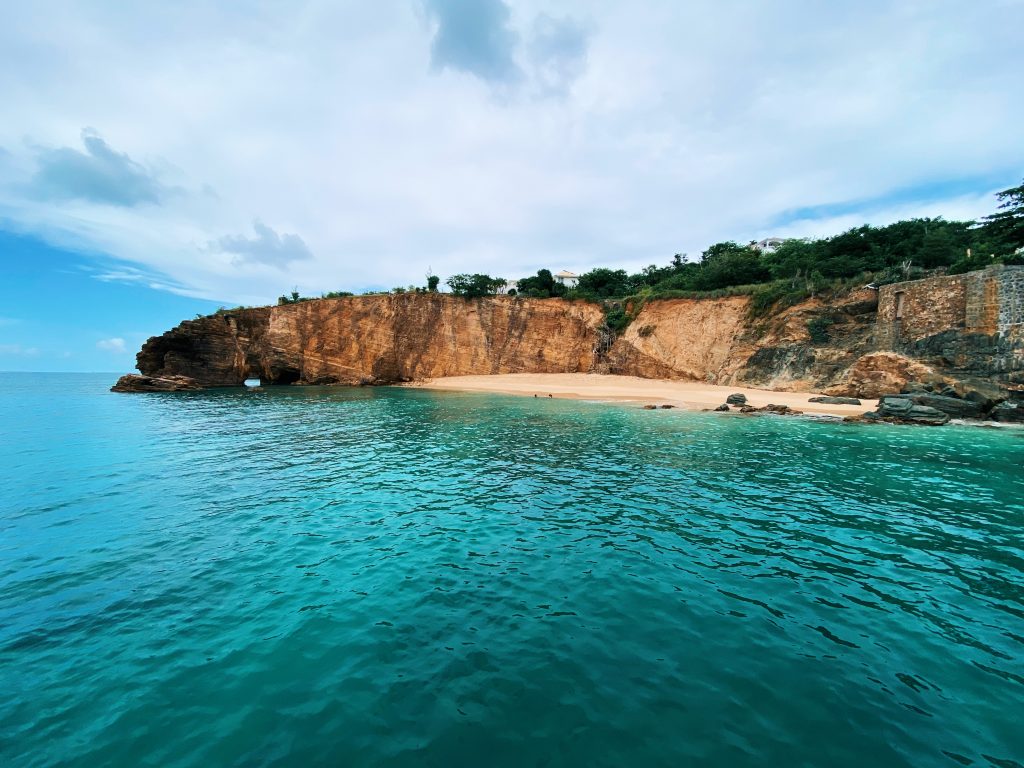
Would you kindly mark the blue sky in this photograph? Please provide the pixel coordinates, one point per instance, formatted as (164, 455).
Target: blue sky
(57, 315)
(158, 161)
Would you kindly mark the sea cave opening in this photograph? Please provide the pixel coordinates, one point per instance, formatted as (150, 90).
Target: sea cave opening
(283, 376)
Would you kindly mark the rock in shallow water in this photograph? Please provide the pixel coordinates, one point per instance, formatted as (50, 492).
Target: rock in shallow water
(829, 400)
(953, 406)
(784, 410)
(905, 411)
(133, 382)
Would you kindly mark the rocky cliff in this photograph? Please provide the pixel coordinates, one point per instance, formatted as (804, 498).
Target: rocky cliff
(819, 344)
(723, 342)
(379, 339)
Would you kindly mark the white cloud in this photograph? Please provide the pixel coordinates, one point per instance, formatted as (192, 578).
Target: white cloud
(667, 127)
(115, 345)
(18, 350)
(268, 247)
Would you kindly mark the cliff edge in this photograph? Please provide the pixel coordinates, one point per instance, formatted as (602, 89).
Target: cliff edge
(864, 343)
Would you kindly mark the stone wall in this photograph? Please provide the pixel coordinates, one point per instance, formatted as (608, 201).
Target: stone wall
(988, 301)
(1010, 307)
(973, 323)
(920, 308)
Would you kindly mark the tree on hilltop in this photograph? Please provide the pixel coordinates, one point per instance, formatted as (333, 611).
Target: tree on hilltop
(1006, 227)
(474, 286)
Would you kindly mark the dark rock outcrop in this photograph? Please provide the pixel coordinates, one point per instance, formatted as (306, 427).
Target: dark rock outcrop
(736, 399)
(722, 407)
(136, 383)
(952, 406)
(1010, 411)
(831, 400)
(898, 409)
(782, 410)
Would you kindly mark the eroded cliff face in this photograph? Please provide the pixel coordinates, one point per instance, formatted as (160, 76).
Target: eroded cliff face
(817, 345)
(379, 339)
(720, 341)
(682, 339)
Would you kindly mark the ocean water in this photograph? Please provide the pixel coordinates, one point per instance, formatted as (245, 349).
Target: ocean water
(395, 577)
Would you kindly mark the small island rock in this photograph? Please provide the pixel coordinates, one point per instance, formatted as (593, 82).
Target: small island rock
(133, 382)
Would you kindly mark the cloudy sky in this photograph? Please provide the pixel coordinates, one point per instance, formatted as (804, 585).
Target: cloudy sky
(163, 159)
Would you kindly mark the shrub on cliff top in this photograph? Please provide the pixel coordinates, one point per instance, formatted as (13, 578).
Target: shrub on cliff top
(474, 286)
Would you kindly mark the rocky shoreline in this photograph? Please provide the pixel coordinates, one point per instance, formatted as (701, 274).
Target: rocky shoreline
(924, 404)
(917, 404)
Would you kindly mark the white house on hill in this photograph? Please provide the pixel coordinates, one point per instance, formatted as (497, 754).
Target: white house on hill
(567, 278)
(769, 244)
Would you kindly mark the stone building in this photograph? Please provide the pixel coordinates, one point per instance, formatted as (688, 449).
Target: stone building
(972, 322)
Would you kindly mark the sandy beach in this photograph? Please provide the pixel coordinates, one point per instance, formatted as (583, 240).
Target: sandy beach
(692, 395)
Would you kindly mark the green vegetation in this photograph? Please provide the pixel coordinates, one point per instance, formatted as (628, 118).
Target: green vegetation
(800, 268)
(817, 328)
(540, 286)
(1005, 228)
(617, 319)
(775, 278)
(475, 286)
(292, 298)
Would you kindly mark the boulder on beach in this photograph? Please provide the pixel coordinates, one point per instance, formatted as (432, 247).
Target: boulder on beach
(736, 399)
(834, 400)
(722, 407)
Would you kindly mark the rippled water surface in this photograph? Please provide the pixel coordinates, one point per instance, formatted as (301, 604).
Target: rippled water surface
(394, 577)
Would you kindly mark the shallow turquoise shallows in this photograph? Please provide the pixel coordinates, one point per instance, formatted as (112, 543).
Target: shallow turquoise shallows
(364, 577)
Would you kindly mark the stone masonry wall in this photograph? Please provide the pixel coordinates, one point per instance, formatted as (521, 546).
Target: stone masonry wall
(929, 307)
(987, 302)
(1010, 315)
(972, 323)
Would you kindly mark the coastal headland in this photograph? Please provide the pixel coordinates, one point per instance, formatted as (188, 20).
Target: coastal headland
(951, 343)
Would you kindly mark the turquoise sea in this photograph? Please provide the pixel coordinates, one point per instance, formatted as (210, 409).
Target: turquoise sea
(390, 577)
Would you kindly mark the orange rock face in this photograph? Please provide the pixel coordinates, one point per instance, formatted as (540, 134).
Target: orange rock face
(379, 339)
(815, 345)
(682, 339)
(883, 373)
